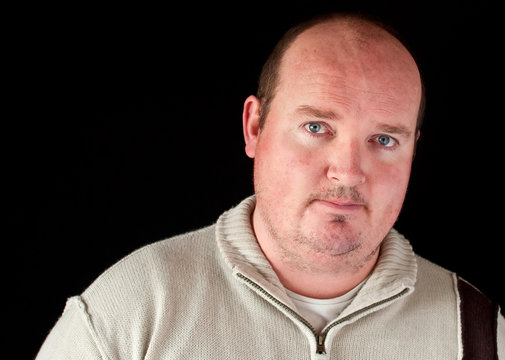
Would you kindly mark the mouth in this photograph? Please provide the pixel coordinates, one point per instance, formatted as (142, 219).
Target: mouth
(342, 205)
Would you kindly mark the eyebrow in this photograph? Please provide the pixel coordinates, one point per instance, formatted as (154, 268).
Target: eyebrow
(392, 129)
(328, 114)
(318, 113)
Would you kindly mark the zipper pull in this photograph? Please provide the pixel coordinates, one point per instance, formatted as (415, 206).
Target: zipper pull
(320, 345)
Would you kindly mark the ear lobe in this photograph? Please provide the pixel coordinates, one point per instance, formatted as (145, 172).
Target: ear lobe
(251, 124)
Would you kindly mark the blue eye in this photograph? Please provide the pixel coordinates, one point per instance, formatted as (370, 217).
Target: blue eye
(316, 128)
(386, 140)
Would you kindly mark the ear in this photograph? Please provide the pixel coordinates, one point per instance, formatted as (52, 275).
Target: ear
(418, 135)
(251, 124)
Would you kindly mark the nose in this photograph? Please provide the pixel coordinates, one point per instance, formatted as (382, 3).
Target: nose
(345, 164)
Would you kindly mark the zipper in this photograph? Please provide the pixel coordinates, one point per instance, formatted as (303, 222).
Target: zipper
(324, 333)
(320, 344)
(320, 338)
(278, 303)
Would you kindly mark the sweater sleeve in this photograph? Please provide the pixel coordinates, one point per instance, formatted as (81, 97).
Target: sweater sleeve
(73, 336)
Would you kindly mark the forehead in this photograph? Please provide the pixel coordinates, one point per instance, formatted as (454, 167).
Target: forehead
(364, 59)
(338, 41)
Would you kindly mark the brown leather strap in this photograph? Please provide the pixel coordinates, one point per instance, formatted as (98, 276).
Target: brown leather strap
(478, 322)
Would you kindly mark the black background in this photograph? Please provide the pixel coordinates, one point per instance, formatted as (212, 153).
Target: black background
(126, 129)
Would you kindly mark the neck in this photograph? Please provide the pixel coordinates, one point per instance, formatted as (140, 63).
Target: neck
(313, 275)
(316, 284)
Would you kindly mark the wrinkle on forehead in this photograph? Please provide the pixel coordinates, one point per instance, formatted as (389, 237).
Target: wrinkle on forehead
(332, 87)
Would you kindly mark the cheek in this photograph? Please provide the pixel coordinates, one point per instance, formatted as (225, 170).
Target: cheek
(282, 164)
(390, 187)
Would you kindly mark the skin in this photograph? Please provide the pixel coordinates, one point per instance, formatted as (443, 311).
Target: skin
(333, 160)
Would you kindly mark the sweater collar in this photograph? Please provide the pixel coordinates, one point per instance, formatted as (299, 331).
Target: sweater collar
(395, 271)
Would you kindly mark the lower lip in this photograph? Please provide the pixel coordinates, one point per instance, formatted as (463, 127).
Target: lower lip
(341, 207)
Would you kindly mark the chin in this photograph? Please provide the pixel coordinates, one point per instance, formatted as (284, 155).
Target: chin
(336, 243)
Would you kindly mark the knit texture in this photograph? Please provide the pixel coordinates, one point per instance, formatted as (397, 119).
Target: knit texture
(211, 294)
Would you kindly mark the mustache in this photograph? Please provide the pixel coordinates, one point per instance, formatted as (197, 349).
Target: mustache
(343, 193)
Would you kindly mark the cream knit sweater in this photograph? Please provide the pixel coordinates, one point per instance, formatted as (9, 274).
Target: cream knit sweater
(211, 294)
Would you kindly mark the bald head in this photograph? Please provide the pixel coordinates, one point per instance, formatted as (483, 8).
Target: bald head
(348, 43)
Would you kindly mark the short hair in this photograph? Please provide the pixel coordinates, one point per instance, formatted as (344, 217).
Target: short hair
(269, 76)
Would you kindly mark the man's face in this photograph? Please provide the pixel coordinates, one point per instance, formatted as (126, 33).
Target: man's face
(333, 160)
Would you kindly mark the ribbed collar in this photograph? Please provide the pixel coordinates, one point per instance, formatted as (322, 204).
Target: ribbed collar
(396, 269)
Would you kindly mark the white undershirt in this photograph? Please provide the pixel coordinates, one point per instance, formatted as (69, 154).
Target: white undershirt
(319, 312)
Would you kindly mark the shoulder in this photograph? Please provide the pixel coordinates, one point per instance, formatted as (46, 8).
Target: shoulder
(438, 285)
(435, 289)
(149, 286)
(433, 273)
(439, 280)
(152, 269)
(476, 316)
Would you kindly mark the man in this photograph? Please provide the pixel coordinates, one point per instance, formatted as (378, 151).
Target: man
(310, 267)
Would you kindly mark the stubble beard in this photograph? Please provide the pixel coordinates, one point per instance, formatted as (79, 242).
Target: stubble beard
(326, 250)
